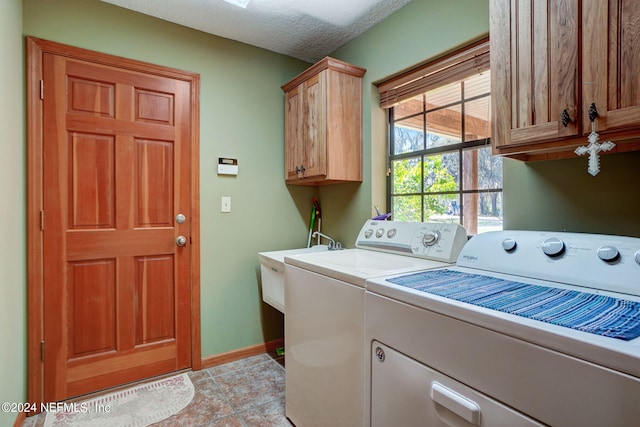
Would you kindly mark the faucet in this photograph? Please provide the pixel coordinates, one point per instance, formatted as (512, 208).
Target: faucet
(333, 245)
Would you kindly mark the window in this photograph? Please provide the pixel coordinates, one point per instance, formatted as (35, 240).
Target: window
(440, 163)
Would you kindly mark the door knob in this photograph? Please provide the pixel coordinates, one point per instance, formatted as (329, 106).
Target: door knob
(181, 241)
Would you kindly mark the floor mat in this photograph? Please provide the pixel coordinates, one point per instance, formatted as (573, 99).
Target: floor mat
(137, 406)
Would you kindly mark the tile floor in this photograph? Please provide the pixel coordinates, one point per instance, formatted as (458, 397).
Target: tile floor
(245, 393)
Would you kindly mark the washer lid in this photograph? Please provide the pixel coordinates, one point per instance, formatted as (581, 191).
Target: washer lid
(355, 266)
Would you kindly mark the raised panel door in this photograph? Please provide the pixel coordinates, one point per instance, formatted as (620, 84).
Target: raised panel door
(305, 130)
(314, 125)
(116, 173)
(293, 133)
(611, 60)
(534, 70)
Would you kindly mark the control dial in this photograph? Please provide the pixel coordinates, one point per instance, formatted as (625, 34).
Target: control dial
(509, 244)
(553, 246)
(636, 256)
(608, 253)
(424, 241)
(430, 238)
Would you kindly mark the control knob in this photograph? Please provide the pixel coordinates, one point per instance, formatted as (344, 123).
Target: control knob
(637, 256)
(509, 244)
(430, 238)
(553, 246)
(608, 253)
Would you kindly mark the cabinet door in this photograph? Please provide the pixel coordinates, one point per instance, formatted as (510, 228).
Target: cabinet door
(611, 60)
(293, 132)
(534, 70)
(314, 125)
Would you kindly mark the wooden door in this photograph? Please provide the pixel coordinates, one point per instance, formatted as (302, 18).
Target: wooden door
(305, 130)
(116, 162)
(293, 133)
(611, 60)
(314, 125)
(534, 70)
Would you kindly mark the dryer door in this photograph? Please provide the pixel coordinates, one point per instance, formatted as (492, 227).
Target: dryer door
(406, 393)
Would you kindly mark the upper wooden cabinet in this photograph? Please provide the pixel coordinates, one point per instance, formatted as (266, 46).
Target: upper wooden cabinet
(550, 61)
(323, 124)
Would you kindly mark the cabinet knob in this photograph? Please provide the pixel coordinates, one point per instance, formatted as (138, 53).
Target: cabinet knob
(300, 171)
(593, 112)
(565, 118)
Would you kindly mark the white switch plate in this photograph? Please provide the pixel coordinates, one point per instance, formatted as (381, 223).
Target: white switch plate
(225, 204)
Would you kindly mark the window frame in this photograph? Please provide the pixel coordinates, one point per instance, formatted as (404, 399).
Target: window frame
(452, 67)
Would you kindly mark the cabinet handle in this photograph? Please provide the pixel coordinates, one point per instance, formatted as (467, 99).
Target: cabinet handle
(300, 171)
(593, 112)
(565, 118)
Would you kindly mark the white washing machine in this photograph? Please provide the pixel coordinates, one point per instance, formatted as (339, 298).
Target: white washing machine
(324, 321)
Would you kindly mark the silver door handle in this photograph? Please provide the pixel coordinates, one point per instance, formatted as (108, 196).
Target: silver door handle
(181, 241)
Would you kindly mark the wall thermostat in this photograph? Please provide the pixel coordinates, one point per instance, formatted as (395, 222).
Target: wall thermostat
(227, 166)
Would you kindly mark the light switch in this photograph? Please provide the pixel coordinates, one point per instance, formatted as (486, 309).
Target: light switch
(225, 204)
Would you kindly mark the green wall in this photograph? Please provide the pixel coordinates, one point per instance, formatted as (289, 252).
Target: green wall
(560, 195)
(13, 276)
(242, 116)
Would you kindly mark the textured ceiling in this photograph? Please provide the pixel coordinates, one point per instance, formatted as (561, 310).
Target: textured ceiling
(305, 29)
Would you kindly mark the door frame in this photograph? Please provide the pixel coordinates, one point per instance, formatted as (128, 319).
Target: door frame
(36, 48)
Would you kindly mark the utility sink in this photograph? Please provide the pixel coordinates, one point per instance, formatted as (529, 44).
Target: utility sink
(272, 272)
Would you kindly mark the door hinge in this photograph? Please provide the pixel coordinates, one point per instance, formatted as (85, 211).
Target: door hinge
(42, 220)
(41, 89)
(42, 351)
